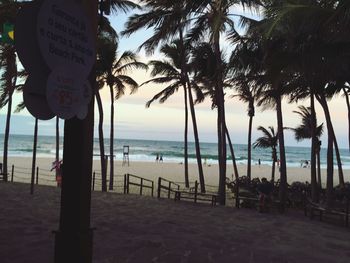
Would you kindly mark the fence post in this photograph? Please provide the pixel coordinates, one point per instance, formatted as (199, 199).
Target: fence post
(141, 186)
(93, 181)
(152, 187)
(12, 171)
(124, 183)
(195, 191)
(159, 185)
(127, 183)
(37, 175)
(169, 190)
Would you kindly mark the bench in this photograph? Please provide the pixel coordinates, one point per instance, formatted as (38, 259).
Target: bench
(195, 196)
(313, 208)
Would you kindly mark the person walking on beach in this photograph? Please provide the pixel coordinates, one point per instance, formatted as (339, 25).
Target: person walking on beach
(161, 158)
(259, 162)
(157, 157)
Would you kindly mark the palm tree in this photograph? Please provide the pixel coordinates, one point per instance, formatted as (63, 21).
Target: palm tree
(106, 45)
(116, 79)
(9, 73)
(269, 140)
(8, 81)
(346, 89)
(203, 64)
(170, 72)
(304, 131)
(169, 19)
(246, 94)
(211, 20)
(321, 56)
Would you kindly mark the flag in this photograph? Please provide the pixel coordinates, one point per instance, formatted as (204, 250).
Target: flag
(8, 33)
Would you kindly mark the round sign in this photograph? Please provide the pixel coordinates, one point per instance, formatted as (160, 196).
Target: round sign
(64, 93)
(65, 37)
(34, 97)
(26, 45)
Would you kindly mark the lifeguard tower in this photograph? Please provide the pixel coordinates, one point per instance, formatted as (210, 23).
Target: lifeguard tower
(126, 154)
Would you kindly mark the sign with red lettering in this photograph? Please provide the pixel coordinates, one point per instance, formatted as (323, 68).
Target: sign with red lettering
(64, 36)
(64, 93)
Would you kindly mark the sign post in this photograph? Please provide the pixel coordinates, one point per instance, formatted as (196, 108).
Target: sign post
(74, 239)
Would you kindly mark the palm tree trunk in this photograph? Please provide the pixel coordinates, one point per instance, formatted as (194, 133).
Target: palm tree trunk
(314, 188)
(101, 141)
(348, 107)
(274, 157)
(57, 143)
(34, 156)
(283, 168)
(249, 147)
(337, 155)
(232, 154)
(220, 101)
(196, 139)
(187, 183)
(319, 165)
(7, 135)
(329, 188)
(184, 74)
(111, 142)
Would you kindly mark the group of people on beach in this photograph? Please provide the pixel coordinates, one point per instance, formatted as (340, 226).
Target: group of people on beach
(159, 158)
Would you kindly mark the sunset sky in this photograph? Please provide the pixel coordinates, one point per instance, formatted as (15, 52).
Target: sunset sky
(166, 121)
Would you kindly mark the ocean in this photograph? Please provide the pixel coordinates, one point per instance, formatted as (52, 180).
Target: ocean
(172, 151)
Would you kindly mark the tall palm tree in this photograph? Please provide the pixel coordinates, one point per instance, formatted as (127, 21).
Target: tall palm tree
(321, 51)
(106, 45)
(212, 20)
(8, 67)
(346, 89)
(304, 131)
(8, 80)
(203, 64)
(269, 140)
(246, 94)
(169, 19)
(169, 72)
(116, 79)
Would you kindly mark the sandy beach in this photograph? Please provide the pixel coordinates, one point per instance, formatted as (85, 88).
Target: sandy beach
(133, 228)
(170, 171)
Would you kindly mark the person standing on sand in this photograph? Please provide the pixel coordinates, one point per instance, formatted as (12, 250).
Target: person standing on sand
(157, 157)
(161, 158)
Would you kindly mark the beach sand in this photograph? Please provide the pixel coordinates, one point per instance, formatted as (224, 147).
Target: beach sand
(133, 228)
(170, 171)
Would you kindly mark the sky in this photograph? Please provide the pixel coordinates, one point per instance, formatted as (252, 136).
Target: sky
(166, 121)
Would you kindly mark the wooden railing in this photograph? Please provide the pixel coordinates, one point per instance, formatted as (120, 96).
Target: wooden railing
(168, 187)
(143, 183)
